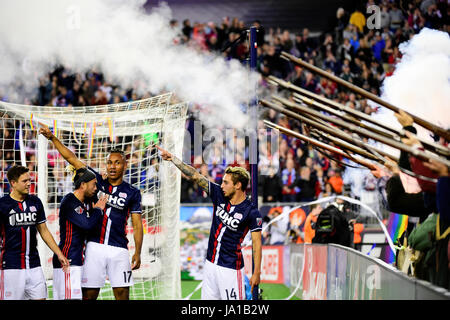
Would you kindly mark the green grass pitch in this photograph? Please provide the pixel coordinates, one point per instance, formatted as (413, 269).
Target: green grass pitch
(270, 291)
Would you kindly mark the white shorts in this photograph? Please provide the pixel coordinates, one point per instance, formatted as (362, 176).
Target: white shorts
(22, 284)
(220, 283)
(67, 286)
(103, 261)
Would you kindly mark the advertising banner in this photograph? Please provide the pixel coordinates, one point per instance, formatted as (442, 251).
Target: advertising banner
(295, 264)
(271, 264)
(315, 272)
(336, 274)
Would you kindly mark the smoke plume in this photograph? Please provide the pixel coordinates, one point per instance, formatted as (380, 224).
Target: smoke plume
(421, 81)
(125, 43)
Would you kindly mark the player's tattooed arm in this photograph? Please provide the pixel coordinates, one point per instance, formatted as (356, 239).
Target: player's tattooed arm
(187, 170)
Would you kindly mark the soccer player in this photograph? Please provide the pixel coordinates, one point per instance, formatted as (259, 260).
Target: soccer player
(107, 247)
(77, 215)
(21, 217)
(233, 217)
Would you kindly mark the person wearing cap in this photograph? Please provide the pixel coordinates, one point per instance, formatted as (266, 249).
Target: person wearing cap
(79, 212)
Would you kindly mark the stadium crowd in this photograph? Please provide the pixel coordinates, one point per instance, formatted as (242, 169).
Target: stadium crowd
(298, 172)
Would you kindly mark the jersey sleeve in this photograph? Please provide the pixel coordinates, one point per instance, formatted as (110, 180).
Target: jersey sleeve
(40, 212)
(77, 215)
(135, 203)
(97, 175)
(255, 220)
(215, 192)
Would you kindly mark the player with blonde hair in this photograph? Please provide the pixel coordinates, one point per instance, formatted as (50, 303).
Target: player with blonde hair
(233, 217)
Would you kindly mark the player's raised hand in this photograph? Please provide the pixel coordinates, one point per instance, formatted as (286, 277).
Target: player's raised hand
(45, 131)
(101, 203)
(165, 155)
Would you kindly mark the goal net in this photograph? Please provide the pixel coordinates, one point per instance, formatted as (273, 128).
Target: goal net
(90, 132)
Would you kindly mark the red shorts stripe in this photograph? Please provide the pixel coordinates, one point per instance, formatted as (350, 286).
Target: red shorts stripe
(68, 294)
(2, 284)
(239, 279)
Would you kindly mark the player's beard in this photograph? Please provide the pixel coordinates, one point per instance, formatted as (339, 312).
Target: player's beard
(230, 195)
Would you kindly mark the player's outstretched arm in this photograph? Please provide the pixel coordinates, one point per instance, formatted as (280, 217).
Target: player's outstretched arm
(65, 152)
(189, 171)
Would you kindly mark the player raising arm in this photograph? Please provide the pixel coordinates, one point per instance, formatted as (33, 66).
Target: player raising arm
(107, 247)
(233, 216)
(21, 217)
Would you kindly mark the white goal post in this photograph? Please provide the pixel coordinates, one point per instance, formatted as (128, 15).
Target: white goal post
(90, 132)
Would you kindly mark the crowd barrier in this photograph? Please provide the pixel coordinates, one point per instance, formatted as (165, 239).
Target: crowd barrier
(334, 272)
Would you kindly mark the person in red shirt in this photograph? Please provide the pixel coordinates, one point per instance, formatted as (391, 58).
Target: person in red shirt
(336, 182)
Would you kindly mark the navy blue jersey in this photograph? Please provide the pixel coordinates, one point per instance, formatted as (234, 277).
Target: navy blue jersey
(230, 225)
(76, 218)
(123, 200)
(18, 220)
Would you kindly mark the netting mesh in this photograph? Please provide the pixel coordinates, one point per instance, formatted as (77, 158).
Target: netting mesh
(90, 132)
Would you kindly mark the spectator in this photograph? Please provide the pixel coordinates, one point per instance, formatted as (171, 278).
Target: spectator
(278, 229)
(297, 218)
(341, 23)
(327, 191)
(187, 29)
(306, 183)
(396, 17)
(261, 33)
(288, 181)
(345, 51)
(358, 19)
(336, 181)
(378, 46)
(385, 17)
(309, 230)
(271, 186)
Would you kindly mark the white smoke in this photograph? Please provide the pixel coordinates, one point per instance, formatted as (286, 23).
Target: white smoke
(420, 83)
(123, 41)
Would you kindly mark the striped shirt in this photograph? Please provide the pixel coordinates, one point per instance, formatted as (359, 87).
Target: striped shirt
(123, 200)
(76, 218)
(230, 225)
(18, 242)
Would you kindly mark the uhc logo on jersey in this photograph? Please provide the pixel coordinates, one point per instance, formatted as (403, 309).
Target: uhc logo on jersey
(117, 202)
(22, 218)
(231, 221)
